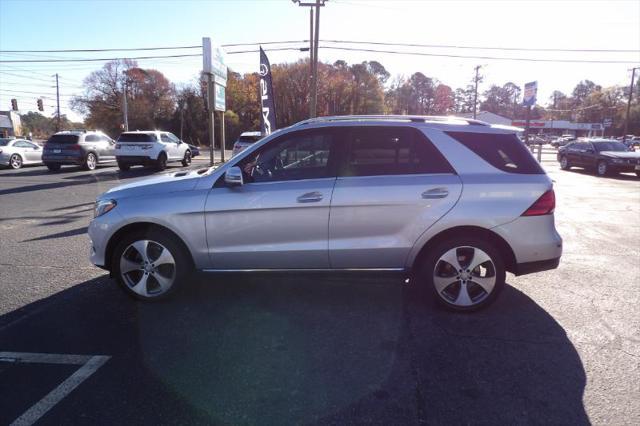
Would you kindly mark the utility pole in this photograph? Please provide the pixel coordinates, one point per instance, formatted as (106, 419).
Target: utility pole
(475, 95)
(211, 93)
(58, 104)
(181, 120)
(314, 34)
(626, 122)
(125, 107)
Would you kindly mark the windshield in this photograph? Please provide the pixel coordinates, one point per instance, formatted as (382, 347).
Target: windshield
(609, 146)
(63, 139)
(137, 137)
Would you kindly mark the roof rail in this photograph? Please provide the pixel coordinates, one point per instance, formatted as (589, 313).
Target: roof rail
(413, 118)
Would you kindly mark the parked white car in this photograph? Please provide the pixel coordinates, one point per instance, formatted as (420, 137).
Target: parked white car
(151, 148)
(18, 152)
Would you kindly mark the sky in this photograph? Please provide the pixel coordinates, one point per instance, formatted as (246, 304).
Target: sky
(578, 25)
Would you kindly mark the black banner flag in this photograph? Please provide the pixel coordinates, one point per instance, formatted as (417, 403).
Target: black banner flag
(267, 102)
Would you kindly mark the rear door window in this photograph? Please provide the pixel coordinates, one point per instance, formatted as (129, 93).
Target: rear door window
(502, 151)
(379, 151)
(92, 138)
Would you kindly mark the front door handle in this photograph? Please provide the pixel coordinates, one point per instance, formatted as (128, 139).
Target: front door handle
(435, 193)
(310, 197)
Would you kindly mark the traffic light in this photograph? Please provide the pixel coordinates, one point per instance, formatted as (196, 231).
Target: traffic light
(14, 104)
(40, 107)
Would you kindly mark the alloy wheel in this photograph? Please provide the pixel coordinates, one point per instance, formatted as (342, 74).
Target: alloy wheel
(91, 161)
(602, 168)
(464, 276)
(148, 268)
(15, 161)
(564, 163)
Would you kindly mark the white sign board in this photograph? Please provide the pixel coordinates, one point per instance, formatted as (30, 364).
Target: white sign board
(213, 61)
(530, 92)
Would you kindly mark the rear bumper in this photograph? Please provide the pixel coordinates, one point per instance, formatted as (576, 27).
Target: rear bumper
(537, 266)
(134, 159)
(63, 159)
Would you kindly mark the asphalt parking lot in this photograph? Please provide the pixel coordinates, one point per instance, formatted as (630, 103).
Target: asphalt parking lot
(558, 347)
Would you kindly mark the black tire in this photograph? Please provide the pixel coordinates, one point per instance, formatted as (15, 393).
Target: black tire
(90, 161)
(602, 168)
(53, 167)
(124, 167)
(182, 269)
(638, 174)
(564, 163)
(15, 161)
(477, 295)
(161, 163)
(187, 158)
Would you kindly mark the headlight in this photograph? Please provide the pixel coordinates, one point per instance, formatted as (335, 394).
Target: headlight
(103, 206)
(618, 161)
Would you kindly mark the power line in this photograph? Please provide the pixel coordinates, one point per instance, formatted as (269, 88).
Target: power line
(93, 59)
(24, 76)
(126, 49)
(437, 46)
(452, 46)
(33, 93)
(497, 58)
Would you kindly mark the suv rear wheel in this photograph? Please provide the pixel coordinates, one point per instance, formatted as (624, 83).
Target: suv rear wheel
(465, 274)
(602, 169)
(53, 167)
(124, 167)
(564, 163)
(161, 163)
(149, 265)
(90, 161)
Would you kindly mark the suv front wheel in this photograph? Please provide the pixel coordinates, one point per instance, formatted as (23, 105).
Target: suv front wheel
(149, 265)
(465, 274)
(187, 158)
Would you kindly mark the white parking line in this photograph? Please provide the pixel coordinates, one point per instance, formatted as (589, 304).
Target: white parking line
(89, 365)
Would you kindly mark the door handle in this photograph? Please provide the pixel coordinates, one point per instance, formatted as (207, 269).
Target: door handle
(310, 197)
(435, 193)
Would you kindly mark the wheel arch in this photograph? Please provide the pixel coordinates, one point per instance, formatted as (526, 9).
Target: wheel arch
(501, 245)
(142, 227)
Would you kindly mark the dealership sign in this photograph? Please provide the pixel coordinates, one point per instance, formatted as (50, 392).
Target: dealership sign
(213, 61)
(530, 92)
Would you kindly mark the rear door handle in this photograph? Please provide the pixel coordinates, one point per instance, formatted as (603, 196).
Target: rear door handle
(435, 193)
(310, 197)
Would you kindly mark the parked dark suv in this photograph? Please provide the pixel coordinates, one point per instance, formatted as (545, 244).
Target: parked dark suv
(79, 148)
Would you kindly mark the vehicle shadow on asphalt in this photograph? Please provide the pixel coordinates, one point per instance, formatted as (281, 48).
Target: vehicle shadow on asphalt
(282, 349)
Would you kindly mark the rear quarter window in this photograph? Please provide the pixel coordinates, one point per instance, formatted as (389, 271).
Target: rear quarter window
(503, 151)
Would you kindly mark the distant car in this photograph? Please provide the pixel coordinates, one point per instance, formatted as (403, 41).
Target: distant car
(245, 140)
(602, 155)
(151, 147)
(195, 151)
(80, 148)
(16, 153)
(562, 141)
(632, 141)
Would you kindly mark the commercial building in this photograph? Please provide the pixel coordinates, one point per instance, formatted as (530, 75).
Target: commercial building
(10, 124)
(547, 127)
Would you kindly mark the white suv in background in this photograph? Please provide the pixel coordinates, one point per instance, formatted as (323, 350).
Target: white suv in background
(150, 148)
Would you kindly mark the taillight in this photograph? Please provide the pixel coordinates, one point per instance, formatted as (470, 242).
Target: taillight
(118, 146)
(546, 204)
(75, 147)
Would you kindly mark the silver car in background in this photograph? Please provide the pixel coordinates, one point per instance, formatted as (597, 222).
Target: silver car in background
(452, 203)
(16, 153)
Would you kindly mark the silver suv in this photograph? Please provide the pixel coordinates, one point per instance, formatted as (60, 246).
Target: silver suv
(455, 203)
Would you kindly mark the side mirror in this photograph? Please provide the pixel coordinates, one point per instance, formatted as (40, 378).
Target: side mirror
(233, 177)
